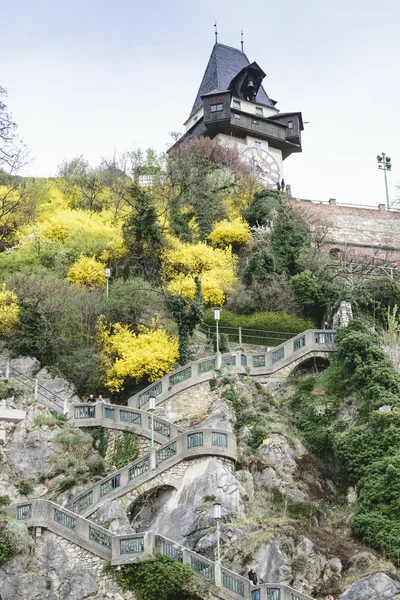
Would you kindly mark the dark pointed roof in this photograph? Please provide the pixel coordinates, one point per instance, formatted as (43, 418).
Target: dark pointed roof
(224, 64)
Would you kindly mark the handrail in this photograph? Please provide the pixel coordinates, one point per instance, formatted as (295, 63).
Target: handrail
(35, 387)
(262, 363)
(190, 444)
(125, 549)
(115, 416)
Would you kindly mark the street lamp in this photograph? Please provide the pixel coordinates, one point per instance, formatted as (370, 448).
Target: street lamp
(217, 517)
(108, 275)
(217, 316)
(152, 408)
(385, 164)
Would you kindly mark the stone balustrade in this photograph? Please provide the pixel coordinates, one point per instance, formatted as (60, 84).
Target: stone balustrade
(114, 416)
(125, 549)
(192, 444)
(264, 363)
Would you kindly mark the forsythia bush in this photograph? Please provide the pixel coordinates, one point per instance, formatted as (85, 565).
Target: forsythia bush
(81, 232)
(9, 309)
(230, 233)
(87, 271)
(151, 353)
(215, 268)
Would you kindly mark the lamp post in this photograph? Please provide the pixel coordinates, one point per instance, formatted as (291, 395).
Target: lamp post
(217, 517)
(217, 316)
(385, 164)
(108, 274)
(152, 408)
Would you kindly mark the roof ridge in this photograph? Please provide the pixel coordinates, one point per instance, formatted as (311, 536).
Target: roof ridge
(233, 48)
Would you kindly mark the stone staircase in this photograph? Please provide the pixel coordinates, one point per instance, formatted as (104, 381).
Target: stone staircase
(279, 361)
(125, 549)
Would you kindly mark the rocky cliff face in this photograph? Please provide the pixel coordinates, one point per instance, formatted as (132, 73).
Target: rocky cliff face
(281, 512)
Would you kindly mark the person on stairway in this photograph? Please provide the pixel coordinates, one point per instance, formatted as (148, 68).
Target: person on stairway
(253, 576)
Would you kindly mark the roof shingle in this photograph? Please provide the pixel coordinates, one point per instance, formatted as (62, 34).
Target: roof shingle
(224, 64)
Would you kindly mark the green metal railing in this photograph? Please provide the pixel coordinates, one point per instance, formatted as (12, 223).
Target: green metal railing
(165, 453)
(258, 337)
(278, 355)
(195, 439)
(299, 343)
(229, 361)
(139, 468)
(160, 427)
(206, 366)
(219, 439)
(130, 417)
(63, 519)
(84, 503)
(84, 412)
(109, 413)
(172, 551)
(258, 361)
(180, 376)
(131, 545)
(202, 568)
(24, 512)
(233, 584)
(110, 485)
(274, 594)
(100, 537)
(155, 391)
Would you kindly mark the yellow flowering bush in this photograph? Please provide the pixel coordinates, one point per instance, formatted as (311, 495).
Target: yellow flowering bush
(9, 309)
(82, 232)
(230, 233)
(87, 271)
(150, 353)
(216, 269)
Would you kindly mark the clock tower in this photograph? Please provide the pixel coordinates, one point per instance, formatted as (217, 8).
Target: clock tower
(233, 106)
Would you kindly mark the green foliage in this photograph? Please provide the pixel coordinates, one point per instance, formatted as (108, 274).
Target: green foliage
(32, 333)
(54, 418)
(6, 551)
(67, 483)
(142, 236)
(223, 342)
(268, 321)
(96, 466)
(260, 268)
(126, 449)
(235, 401)
(263, 208)
(5, 500)
(209, 498)
(25, 488)
(76, 442)
(157, 578)
(100, 439)
(187, 316)
(289, 238)
(310, 295)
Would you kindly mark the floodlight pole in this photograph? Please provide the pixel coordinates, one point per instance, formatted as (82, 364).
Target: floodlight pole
(385, 164)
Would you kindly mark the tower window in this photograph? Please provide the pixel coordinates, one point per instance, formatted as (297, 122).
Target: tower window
(259, 111)
(236, 104)
(237, 116)
(195, 118)
(216, 107)
(255, 122)
(290, 124)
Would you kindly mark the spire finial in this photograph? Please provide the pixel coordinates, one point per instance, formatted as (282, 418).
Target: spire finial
(216, 32)
(241, 40)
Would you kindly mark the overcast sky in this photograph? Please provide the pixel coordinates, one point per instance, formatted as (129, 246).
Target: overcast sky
(93, 76)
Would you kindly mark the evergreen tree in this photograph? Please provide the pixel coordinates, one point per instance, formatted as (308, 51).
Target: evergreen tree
(187, 316)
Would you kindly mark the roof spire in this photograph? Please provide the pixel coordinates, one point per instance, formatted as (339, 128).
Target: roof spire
(241, 40)
(216, 32)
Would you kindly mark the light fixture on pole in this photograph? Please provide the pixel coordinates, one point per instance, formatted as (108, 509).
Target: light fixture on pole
(385, 164)
(217, 316)
(152, 408)
(217, 517)
(108, 275)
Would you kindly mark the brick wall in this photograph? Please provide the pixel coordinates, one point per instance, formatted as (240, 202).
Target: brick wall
(369, 231)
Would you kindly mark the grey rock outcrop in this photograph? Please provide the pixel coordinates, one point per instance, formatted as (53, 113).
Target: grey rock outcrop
(30, 450)
(186, 517)
(374, 587)
(112, 515)
(280, 455)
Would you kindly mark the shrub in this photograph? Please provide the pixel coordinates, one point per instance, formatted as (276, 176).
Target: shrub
(96, 466)
(25, 488)
(126, 449)
(6, 551)
(67, 483)
(75, 441)
(223, 342)
(9, 310)
(87, 271)
(234, 233)
(5, 500)
(158, 578)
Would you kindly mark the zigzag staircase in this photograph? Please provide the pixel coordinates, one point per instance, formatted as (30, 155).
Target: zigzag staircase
(176, 445)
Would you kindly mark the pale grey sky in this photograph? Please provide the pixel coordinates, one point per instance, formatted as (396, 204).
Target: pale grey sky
(93, 76)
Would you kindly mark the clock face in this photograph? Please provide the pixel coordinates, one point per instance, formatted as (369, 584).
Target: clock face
(263, 165)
